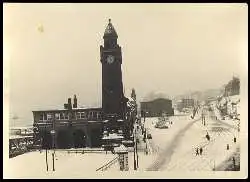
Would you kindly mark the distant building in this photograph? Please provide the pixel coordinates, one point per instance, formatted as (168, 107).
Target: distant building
(233, 87)
(157, 107)
(185, 103)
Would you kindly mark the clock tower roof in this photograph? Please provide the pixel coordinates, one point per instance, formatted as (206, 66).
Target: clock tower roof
(110, 31)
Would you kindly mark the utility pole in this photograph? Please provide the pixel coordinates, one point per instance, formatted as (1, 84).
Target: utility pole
(46, 149)
(146, 142)
(53, 141)
(134, 149)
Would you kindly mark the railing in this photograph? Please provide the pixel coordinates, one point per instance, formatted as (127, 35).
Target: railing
(106, 166)
(19, 145)
(81, 150)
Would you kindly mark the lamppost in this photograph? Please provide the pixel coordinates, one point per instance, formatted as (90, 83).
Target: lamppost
(53, 144)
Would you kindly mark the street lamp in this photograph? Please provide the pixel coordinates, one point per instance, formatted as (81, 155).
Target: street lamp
(53, 132)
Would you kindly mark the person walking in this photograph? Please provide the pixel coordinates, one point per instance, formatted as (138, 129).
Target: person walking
(201, 151)
(207, 136)
(197, 151)
(234, 139)
(234, 164)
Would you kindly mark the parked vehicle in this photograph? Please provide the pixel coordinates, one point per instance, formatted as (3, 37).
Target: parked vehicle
(149, 136)
(163, 122)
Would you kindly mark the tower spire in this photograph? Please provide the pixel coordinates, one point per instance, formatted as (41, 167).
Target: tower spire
(110, 30)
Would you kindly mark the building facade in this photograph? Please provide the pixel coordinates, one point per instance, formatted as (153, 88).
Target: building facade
(76, 127)
(185, 103)
(157, 107)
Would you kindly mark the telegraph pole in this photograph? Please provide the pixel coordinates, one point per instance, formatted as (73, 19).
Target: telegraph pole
(53, 142)
(46, 149)
(137, 156)
(134, 149)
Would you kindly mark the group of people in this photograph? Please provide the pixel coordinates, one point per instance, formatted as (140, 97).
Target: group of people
(203, 119)
(198, 151)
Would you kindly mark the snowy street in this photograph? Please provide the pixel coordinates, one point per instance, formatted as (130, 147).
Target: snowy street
(176, 146)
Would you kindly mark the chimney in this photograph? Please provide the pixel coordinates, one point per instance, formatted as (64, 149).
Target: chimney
(69, 103)
(75, 102)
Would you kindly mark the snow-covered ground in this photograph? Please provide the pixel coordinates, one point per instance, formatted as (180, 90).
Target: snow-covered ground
(171, 149)
(177, 144)
(67, 165)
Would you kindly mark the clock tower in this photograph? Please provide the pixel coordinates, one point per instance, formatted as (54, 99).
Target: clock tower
(112, 87)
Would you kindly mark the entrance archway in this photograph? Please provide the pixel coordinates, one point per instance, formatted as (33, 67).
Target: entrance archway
(79, 139)
(96, 135)
(46, 140)
(64, 139)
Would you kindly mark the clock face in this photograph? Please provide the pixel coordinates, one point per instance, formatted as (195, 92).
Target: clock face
(110, 59)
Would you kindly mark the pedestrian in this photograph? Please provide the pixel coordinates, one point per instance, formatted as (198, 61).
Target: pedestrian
(201, 151)
(227, 146)
(234, 139)
(234, 162)
(197, 151)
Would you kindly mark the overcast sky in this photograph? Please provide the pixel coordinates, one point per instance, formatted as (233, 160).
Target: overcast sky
(165, 47)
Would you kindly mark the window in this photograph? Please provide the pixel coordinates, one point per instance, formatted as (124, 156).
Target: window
(49, 116)
(43, 117)
(57, 115)
(90, 115)
(61, 115)
(78, 115)
(64, 116)
(83, 115)
(94, 115)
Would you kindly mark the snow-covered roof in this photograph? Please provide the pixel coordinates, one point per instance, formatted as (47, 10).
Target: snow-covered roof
(21, 127)
(112, 136)
(73, 109)
(121, 149)
(19, 137)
